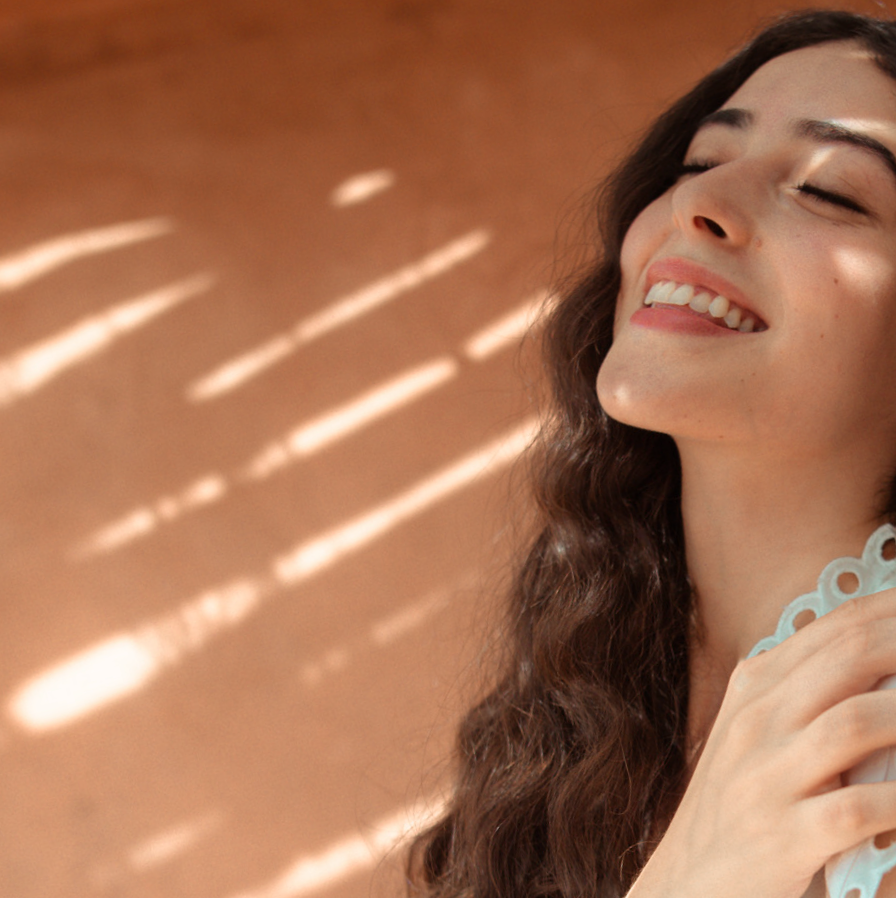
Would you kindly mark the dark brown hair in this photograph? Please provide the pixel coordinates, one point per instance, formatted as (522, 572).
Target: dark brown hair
(575, 759)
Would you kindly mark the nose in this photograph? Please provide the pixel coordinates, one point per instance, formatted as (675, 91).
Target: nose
(716, 205)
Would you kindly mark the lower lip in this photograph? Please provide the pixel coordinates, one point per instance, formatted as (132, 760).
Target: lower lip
(679, 320)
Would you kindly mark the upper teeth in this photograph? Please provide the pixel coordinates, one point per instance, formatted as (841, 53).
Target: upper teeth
(670, 293)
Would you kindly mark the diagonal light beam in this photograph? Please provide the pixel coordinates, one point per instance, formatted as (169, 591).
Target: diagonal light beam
(508, 330)
(323, 551)
(301, 442)
(31, 368)
(238, 371)
(125, 663)
(360, 188)
(318, 433)
(348, 856)
(144, 520)
(20, 268)
(173, 842)
(345, 419)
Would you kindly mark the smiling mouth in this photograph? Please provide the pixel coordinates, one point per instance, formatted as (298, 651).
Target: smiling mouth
(712, 306)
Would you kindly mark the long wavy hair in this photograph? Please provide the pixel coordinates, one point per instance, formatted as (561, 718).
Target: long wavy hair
(571, 766)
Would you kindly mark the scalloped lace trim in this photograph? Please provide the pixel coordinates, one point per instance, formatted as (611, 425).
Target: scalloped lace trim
(861, 869)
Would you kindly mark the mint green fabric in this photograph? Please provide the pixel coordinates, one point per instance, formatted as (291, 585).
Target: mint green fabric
(861, 868)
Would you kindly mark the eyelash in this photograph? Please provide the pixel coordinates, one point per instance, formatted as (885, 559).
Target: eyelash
(817, 193)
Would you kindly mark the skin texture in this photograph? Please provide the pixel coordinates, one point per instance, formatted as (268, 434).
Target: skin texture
(787, 437)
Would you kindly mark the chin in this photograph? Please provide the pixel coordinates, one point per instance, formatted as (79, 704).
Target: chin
(629, 397)
(636, 416)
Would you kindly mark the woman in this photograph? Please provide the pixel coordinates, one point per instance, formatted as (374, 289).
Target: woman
(740, 327)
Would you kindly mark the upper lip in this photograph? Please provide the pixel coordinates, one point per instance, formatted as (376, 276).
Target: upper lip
(684, 271)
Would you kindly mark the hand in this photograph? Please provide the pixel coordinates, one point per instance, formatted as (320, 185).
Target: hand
(765, 807)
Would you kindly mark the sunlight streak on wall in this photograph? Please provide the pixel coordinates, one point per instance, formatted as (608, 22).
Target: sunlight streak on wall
(137, 523)
(332, 662)
(317, 434)
(143, 521)
(104, 673)
(409, 618)
(235, 373)
(411, 276)
(323, 551)
(113, 875)
(352, 416)
(123, 664)
(384, 632)
(302, 441)
(19, 268)
(509, 329)
(199, 493)
(175, 841)
(349, 856)
(31, 368)
(192, 626)
(362, 187)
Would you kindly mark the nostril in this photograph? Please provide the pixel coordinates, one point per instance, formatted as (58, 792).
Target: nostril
(713, 226)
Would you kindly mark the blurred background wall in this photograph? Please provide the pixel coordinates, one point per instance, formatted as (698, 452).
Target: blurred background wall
(266, 271)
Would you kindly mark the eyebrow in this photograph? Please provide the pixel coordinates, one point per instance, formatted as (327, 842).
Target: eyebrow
(830, 132)
(734, 118)
(818, 131)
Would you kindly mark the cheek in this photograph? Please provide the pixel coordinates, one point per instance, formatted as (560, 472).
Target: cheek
(644, 236)
(840, 327)
(868, 274)
(846, 290)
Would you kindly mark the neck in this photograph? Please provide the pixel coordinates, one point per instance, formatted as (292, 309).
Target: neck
(758, 532)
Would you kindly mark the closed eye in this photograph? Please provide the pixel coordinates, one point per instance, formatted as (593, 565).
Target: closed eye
(835, 199)
(698, 166)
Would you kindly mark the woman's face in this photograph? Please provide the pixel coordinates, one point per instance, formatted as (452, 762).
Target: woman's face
(787, 209)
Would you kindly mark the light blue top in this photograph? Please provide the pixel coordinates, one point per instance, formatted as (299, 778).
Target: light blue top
(861, 868)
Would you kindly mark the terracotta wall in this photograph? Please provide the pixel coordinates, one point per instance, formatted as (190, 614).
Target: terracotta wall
(267, 272)
(41, 37)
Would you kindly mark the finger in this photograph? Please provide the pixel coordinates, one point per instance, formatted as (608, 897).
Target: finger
(855, 660)
(788, 692)
(838, 820)
(844, 736)
(820, 632)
